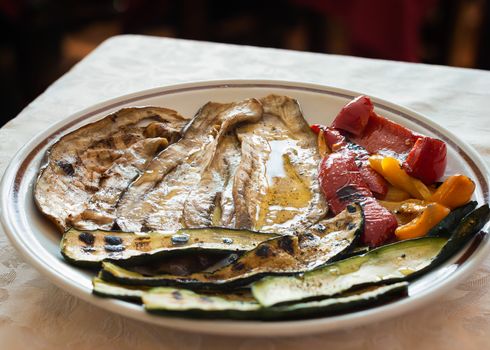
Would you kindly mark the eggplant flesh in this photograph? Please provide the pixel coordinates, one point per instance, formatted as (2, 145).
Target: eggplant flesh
(87, 170)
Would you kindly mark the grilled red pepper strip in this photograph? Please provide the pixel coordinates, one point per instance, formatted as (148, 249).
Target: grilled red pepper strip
(374, 181)
(422, 157)
(427, 160)
(354, 116)
(343, 184)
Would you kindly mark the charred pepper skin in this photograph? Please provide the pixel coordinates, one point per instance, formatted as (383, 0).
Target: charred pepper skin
(343, 184)
(422, 157)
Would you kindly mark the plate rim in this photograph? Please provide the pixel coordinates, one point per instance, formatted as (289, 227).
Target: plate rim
(256, 328)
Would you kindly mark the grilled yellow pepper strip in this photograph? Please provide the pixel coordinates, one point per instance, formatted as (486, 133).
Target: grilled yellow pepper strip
(322, 144)
(395, 194)
(392, 171)
(419, 226)
(375, 163)
(454, 192)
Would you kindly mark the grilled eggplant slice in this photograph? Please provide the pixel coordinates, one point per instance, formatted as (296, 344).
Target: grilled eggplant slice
(87, 170)
(276, 186)
(185, 303)
(249, 165)
(89, 248)
(399, 261)
(283, 255)
(156, 200)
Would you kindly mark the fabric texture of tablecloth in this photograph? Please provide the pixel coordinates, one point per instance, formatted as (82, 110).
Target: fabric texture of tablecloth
(34, 314)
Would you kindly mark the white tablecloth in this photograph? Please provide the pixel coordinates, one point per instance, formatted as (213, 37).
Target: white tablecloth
(34, 314)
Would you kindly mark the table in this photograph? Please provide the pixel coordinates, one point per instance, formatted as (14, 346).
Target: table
(34, 314)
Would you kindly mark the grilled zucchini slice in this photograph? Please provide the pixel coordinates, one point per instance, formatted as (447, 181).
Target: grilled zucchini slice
(450, 222)
(283, 255)
(112, 290)
(185, 303)
(399, 261)
(390, 263)
(90, 248)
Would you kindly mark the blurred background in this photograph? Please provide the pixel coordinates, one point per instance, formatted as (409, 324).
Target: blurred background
(42, 39)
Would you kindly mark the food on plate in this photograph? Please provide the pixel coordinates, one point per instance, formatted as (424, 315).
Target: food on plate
(398, 261)
(420, 226)
(246, 212)
(391, 169)
(443, 228)
(337, 143)
(168, 301)
(89, 248)
(87, 170)
(320, 244)
(423, 157)
(343, 184)
(177, 302)
(454, 192)
(276, 185)
(231, 168)
(157, 198)
(390, 263)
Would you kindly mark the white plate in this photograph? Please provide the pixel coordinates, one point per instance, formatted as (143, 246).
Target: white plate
(37, 239)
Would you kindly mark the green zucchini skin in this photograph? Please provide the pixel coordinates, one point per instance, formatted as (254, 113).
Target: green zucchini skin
(450, 222)
(90, 248)
(109, 290)
(283, 255)
(344, 303)
(188, 304)
(469, 226)
(184, 303)
(343, 275)
(387, 264)
(354, 251)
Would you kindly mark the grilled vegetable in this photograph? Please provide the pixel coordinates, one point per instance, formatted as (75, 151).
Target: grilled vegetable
(111, 290)
(406, 210)
(183, 263)
(390, 263)
(278, 256)
(323, 148)
(467, 229)
(454, 192)
(427, 160)
(423, 157)
(379, 134)
(354, 116)
(395, 194)
(342, 184)
(87, 170)
(340, 143)
(251, 164)
(392, 171)
(185, 303)
(275, 187)
(449, 223)
(395, 262)
(421, 225)
(89, 248)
